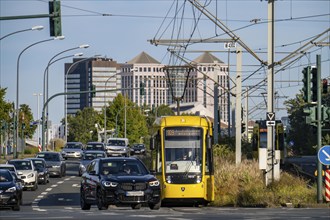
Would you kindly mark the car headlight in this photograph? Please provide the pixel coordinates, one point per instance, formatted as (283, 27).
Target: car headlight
(198, 179)
(30, 175)
(63, 152)
(11, 189)
(109, 184)
(154, 183)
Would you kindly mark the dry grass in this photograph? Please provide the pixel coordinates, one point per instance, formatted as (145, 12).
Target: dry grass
(243, 185)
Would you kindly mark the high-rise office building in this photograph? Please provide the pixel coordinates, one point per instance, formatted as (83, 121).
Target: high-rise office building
(144, 70)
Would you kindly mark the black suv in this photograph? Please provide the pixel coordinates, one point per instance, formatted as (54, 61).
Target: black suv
(113, 181)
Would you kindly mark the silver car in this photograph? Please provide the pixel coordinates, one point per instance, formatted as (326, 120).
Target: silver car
(72, 150)
(27, 172)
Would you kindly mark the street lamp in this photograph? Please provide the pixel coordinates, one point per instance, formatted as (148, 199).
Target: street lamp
(38, 28)
(46, 72)
(46, 94)
(17, 90)
(38, 120)
(178, 78)
(65, 89)
(105, 111)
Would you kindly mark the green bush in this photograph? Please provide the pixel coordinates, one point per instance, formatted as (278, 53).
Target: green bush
(31, 150)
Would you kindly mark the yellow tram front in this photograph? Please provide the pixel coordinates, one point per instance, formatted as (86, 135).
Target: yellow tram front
(183, 160)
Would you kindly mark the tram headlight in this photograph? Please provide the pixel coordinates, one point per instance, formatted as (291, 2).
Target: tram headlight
(198, 179)
(168, 179)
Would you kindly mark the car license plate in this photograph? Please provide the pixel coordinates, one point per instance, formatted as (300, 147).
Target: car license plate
(135, 193)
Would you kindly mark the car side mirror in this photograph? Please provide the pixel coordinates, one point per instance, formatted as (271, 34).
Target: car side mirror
(153, 172)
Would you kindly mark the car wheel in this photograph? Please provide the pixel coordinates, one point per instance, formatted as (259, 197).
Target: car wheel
(83, 204)
(100, 201)
(136, 206)
(21, 200)
(155, 206)
(16, 207)
(35, 186)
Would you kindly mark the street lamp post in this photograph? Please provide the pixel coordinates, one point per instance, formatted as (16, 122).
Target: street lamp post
(38, 120)
(105, 110)
(65, 90)
(47, 84)
(17, 91)
(38, 28)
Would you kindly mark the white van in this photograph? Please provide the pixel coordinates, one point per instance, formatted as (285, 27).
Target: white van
(117, 147)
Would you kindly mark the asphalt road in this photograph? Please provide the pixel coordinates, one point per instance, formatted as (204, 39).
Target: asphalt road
(59, 199)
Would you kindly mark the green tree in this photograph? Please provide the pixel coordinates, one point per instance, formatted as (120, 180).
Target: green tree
(26, 117)
(135, 120)
(303, 135)
(81, 127)
(6, 113)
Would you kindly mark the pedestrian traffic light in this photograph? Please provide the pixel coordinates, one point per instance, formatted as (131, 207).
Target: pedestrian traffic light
(325, 86)
(55, 26)
(142, 85)
(314, 80)
(307, 84)
(93, 90)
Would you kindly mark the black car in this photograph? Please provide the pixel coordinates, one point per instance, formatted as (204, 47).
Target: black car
(41, 166)
(95, 146)
(138, 149)
(88, 156)
(55, 163)
(10, 191)
(119, 180)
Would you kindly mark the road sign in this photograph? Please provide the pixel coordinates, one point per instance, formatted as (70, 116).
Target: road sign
(324, 155)
(270, 123)
(270, 116)
(228, 45)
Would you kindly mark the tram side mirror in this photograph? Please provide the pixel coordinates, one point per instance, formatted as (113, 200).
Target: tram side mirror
(152, 143)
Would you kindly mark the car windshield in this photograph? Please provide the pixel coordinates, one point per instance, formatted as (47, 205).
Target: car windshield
(139, 146)
(73, 146)
(49, 157)
(94, 146)
(5, 177)
(123, 168)
(38, 163)
(116, 142)
(7, 168)
(21, 164)
(92, 156)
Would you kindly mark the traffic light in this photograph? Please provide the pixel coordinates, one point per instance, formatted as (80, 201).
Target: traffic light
(324, 86)
(55, 26)
(310, 115)
(307, 84)
(93, 90)
(325, 114)
(243, 127)
(314, 80)
(142, 85)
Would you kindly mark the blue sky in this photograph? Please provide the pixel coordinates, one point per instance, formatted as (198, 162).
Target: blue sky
(124, 34)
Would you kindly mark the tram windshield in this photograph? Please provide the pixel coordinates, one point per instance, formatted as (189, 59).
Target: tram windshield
(183, 150)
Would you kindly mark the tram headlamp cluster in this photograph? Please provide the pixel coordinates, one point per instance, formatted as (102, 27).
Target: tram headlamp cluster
(168, 179)
(198, 179)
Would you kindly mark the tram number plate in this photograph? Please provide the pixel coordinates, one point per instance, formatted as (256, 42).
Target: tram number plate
(135, 193)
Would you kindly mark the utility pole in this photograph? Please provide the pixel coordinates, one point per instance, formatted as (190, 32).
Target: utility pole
(270, 174)
(238, 112)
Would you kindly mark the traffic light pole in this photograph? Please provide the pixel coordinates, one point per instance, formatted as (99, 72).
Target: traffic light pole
(319, 129)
